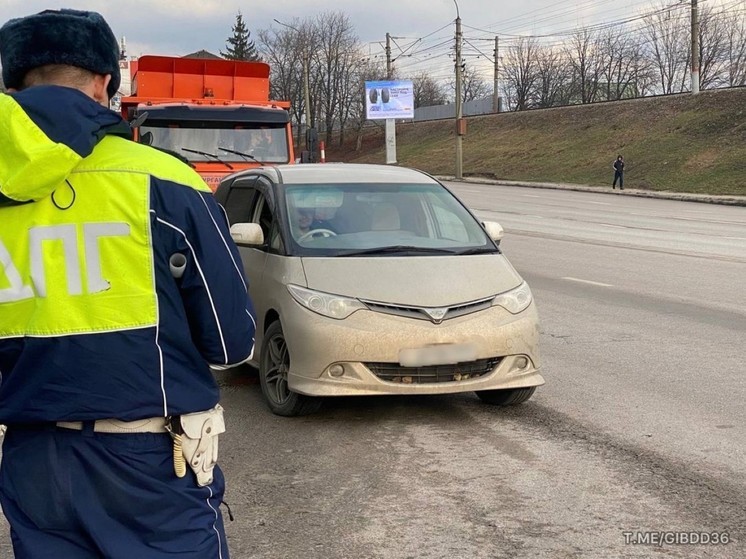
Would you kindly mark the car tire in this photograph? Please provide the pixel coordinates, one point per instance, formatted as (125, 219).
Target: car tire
(508, 397)
(274, 364)
(385, 95)
(373, 96)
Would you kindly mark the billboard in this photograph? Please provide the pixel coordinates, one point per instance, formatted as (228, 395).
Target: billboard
(389, 99)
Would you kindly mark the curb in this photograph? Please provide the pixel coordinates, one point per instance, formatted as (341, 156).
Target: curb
(682, 196)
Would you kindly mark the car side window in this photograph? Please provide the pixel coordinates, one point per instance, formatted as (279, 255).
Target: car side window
(264, 215)
(239, 201)
(275, 238)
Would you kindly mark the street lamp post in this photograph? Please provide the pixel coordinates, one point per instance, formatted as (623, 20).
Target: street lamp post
(306, 88)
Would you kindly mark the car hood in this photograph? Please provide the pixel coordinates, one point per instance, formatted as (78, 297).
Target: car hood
(426, 281)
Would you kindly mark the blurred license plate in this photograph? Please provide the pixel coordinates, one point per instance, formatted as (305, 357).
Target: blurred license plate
(437, 354)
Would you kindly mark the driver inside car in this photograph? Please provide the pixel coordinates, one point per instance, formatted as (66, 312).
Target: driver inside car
(308, 220)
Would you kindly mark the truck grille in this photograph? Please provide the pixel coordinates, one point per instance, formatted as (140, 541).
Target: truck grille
(393, 372)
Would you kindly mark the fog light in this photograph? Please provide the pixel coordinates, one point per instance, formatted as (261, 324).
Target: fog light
(521, 362)
(336, 370)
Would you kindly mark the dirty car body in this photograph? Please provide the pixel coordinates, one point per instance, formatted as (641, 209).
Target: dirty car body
(371, 279)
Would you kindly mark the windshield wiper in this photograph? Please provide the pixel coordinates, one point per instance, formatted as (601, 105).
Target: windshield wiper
(403, 249)
(208, 155)
(242, 154)
(479, 250)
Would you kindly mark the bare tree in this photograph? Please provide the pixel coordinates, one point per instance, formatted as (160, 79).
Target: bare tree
(643, 75)
(335, 59)
(712, 48)
(368, 70)
(508, 94)
(553, 76)
(668, 36)
(473, 86)
(614, 64)
(331, 47)
(520, 71)
(352, 90)
(735, 32)
(427, 91)
(284, 50)
(617, 52)
(584, 55)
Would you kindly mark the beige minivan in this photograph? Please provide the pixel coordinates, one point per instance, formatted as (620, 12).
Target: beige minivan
(373, 279)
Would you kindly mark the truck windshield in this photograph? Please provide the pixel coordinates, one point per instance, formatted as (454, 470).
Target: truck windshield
(265, 144)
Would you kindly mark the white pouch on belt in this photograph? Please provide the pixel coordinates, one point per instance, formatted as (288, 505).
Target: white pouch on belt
(199, 441)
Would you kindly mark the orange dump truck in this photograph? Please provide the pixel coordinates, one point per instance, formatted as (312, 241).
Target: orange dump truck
(215, 113)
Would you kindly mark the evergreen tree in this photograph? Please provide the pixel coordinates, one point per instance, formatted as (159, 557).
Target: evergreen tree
(239, 46)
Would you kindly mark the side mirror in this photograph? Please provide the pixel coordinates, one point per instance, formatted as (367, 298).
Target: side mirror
(494, 230)
(147, 138)
(249, 234)
(137, 122)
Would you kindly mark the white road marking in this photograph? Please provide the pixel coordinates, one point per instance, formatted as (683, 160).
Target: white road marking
(530, 196)
(611, 225)
(705, 218)
(601, 203)
(588, 281)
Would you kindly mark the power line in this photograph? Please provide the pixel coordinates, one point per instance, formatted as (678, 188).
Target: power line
(433, 57)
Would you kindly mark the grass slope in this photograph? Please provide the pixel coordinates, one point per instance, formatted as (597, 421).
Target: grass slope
(681, 143)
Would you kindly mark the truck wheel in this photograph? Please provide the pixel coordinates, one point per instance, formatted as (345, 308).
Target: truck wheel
(509, 397)
(274, 364)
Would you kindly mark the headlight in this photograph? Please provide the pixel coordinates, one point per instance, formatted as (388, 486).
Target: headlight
(326, 304)
(515, 300)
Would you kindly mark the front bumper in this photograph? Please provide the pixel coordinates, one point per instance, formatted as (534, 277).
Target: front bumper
(321, 348)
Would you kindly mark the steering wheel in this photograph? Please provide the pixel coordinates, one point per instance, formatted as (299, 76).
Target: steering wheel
(314, 232)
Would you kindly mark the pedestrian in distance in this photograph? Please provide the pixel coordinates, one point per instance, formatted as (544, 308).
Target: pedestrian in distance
(618, 167)
(122, 288)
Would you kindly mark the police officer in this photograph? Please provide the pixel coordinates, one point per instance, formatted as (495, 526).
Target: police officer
(119, 288)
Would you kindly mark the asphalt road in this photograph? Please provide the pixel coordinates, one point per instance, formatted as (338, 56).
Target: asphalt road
(639, 433)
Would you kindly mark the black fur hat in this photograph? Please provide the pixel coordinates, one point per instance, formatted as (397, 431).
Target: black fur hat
(71, 37)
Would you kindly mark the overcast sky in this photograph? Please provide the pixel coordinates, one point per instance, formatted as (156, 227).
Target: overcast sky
(178, 27)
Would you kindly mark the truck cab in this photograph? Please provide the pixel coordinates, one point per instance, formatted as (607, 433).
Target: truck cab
(216, 114)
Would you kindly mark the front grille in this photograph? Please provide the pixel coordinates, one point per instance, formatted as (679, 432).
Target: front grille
(393, 372)
(425, 313)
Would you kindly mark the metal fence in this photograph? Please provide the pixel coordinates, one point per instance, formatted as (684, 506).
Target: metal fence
(481, 106)
(484, 105)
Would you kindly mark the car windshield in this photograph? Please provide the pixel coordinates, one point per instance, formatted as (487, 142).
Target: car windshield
(229, 143)
(380, 219)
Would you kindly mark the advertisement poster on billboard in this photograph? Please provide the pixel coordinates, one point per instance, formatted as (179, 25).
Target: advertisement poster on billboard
(389, 99)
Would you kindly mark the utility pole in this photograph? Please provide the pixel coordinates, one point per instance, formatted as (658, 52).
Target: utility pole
(306, 91)
(388, 56)
(695, 48)
(459, 113)
(390, 122)
(495, 94)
